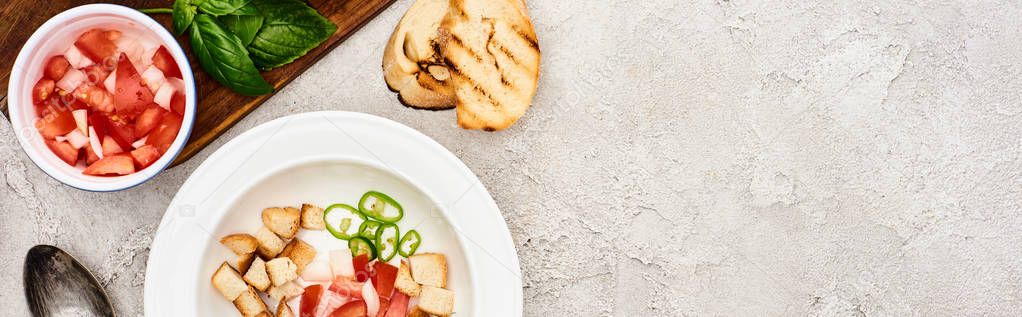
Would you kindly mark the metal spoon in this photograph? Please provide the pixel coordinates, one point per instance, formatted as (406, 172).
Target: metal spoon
(57, 285)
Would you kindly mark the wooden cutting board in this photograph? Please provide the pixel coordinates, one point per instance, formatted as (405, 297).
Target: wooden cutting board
(219, 108)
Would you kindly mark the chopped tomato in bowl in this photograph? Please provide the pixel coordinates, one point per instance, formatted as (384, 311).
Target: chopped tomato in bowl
(105, 98)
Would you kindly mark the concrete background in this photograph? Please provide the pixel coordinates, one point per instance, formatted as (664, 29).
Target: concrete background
(686, 158)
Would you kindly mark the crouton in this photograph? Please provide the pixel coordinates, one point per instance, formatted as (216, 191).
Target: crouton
(285, 291)
(299, 252)
(228, 282)
(282, 270)
(283, 310)
(269, 243)
(249, 304)
(282, 221)
(256, 275)
(404, 282)
(240, 243)
(429, 269)
(312, 217)
(436, 301)
(242, 262)
(417, 312)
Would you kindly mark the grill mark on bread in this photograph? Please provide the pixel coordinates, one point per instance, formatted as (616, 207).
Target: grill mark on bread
(457, 41)
(527, 37)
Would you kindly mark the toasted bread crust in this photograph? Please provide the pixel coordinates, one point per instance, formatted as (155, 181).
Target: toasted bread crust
(493, 54)
(411, 51)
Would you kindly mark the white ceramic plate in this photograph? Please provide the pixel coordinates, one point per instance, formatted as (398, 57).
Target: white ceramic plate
(323, 158)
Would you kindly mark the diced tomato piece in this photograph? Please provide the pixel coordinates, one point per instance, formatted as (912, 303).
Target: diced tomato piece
(384, 305)
(398, 305)
(120, 164)
(63, 150)
(362, 268)
(57, 122)
(165, 62)
(149, 119)
(355, 308)
(42, 90)
(131, 96)
(97, 73)
(110, 147)
(145, 155)
(96, 97)
(384, 278)
(177, 104)
(310, 300)
(164, 134)
(121, 132)
(56, 67)
(344, 286)
(97, 45)
(90, 156)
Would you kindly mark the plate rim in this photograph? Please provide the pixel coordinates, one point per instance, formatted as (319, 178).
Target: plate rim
(157, 248)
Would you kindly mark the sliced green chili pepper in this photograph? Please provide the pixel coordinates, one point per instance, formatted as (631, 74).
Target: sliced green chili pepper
(360, 245)
(347, 222)
(409, 243)
(368, 229)
(381, 207)
(386, 241)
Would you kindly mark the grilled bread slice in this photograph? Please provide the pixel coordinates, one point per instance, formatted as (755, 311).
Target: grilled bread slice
(492, 52)
(412, 65)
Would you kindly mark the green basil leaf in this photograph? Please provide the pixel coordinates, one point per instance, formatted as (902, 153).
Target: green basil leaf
(244, 22)
(291, 29)
(225, 58)
(184, 13)
(221, 7)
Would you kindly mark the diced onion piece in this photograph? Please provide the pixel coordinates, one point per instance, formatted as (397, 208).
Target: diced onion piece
(71, 80)
(140, 142)
(318, 271)
(371, 298)
(97, 147)
(111, 82)
(163, 96)
(340, 263)
(177, 83)
(81, 120)
(77, 139)
(154, 79)
(76, 58)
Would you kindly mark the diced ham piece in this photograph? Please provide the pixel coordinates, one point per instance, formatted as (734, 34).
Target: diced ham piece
(398, 305)
(345, 286)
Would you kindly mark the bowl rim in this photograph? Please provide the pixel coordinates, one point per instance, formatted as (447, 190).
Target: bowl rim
(35, 153)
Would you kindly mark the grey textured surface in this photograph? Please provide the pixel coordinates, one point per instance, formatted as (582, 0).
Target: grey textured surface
(686, 158)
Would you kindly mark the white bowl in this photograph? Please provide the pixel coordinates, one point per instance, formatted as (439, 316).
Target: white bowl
(323, 181)
(51, 39)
